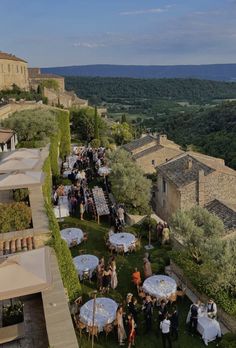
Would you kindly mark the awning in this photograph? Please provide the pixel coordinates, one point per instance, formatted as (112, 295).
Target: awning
(25, 273)
(20, 180)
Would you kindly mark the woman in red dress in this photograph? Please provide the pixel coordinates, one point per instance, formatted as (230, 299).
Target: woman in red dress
(132, 333)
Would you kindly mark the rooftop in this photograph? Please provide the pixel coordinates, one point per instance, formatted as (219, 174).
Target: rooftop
(148, 151)
(9, 56)
(224, 212)
(5, 135)
(135, 144)
(177, 170)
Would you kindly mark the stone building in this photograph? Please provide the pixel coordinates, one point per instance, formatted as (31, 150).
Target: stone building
(36, 78)
(152, 150)
(8, 140)
(192, 179)
(55, 96)
(13, 70)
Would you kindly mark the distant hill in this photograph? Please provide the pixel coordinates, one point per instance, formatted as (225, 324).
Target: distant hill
(110, 89)
(220, 72)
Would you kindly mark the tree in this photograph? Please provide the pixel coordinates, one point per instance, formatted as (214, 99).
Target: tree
(123, 118)
(198, 229)
(96, 129)
(122, 133)
(33, 127)
(129, 185)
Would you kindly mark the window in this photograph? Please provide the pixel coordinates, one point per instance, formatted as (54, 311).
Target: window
(17, 68)
(164, 186)
(153, 162)
(21, 70)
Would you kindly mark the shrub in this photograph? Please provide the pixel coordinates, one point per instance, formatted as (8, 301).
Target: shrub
(20, 195)
(95, 143)
(67, 269)
(14, 217)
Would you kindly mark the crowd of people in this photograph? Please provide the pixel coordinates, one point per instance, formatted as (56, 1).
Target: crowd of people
(106, 275)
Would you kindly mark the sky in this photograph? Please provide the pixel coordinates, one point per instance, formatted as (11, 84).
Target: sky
(141, 32)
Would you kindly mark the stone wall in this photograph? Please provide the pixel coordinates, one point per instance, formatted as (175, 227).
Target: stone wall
(159, 157)
(165, 203)
(13, 72)
(188, 196)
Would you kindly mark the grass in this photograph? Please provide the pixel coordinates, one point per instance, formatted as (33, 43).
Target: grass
(125, 265)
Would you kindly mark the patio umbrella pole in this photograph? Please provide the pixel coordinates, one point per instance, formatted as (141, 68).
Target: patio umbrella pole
(94, 310)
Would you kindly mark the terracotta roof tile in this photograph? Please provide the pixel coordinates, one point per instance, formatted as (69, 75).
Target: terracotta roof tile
(139, 143)
(8, 56)
(224, 212)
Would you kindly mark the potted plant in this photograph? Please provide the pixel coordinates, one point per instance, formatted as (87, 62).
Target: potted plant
(13, 314)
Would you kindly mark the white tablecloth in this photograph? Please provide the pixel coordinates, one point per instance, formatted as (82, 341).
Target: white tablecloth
(72, 234)
(66, 173)
(160, 286)
(104, 171)
(105, 312)
(208, 328)
(124, 238)
(85, 263)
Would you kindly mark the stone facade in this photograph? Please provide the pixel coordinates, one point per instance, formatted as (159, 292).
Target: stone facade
(13, 70)
(152, 150)
(35, 78)
(199, 184)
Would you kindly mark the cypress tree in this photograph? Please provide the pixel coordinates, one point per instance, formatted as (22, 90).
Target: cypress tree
(96, 130)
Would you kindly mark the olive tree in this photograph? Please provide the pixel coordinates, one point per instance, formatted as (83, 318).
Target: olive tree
(129, 185)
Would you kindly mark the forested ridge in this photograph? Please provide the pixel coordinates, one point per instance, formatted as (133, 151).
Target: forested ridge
(212, 131)
(108, 89)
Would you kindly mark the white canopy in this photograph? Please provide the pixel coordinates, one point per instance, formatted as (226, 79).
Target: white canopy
(20, 180)
(14, 164)
(25, 273)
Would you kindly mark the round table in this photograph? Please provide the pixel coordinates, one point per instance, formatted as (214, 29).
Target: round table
(160, 286)
(85, 263)
(72, 235)
(104, 171)
(105, 312)
(125, 239)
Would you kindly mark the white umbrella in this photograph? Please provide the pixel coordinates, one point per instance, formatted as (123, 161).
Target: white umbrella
(25, 273)
(20, 180)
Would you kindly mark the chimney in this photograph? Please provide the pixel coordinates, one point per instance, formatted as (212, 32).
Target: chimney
(201, 188)
(189, 163)
(161, 139)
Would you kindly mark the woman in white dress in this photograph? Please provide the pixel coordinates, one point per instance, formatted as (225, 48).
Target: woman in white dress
(114, 280)
(120, 325)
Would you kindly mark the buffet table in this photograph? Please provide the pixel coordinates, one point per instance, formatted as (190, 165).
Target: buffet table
(160, 286)
(105, 312)
(207, 327)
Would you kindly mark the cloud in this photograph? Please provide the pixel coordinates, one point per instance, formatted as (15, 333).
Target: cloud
(145, 11)
(88, 44)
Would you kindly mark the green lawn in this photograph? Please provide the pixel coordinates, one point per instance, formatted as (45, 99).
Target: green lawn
(125, 266)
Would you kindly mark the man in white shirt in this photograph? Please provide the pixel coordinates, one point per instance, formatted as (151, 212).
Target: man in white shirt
(165, 331)
(211, 309)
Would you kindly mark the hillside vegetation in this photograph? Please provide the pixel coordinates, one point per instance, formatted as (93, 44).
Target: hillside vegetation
(111, 89)
(212, 131)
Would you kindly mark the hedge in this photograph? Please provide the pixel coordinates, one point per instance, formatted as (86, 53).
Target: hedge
(67, 269)
(63, 118)
(193, 273)
(54, 154)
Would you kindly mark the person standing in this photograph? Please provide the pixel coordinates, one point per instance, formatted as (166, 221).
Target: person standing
(174, 319)
(136, 278)
(193, 317)
(81, 207)
(147, 309)
(211, 309)
(165, 234)
(114, 280)
(132, 333)
(147, 268)
(165, 331)
(120, 325)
